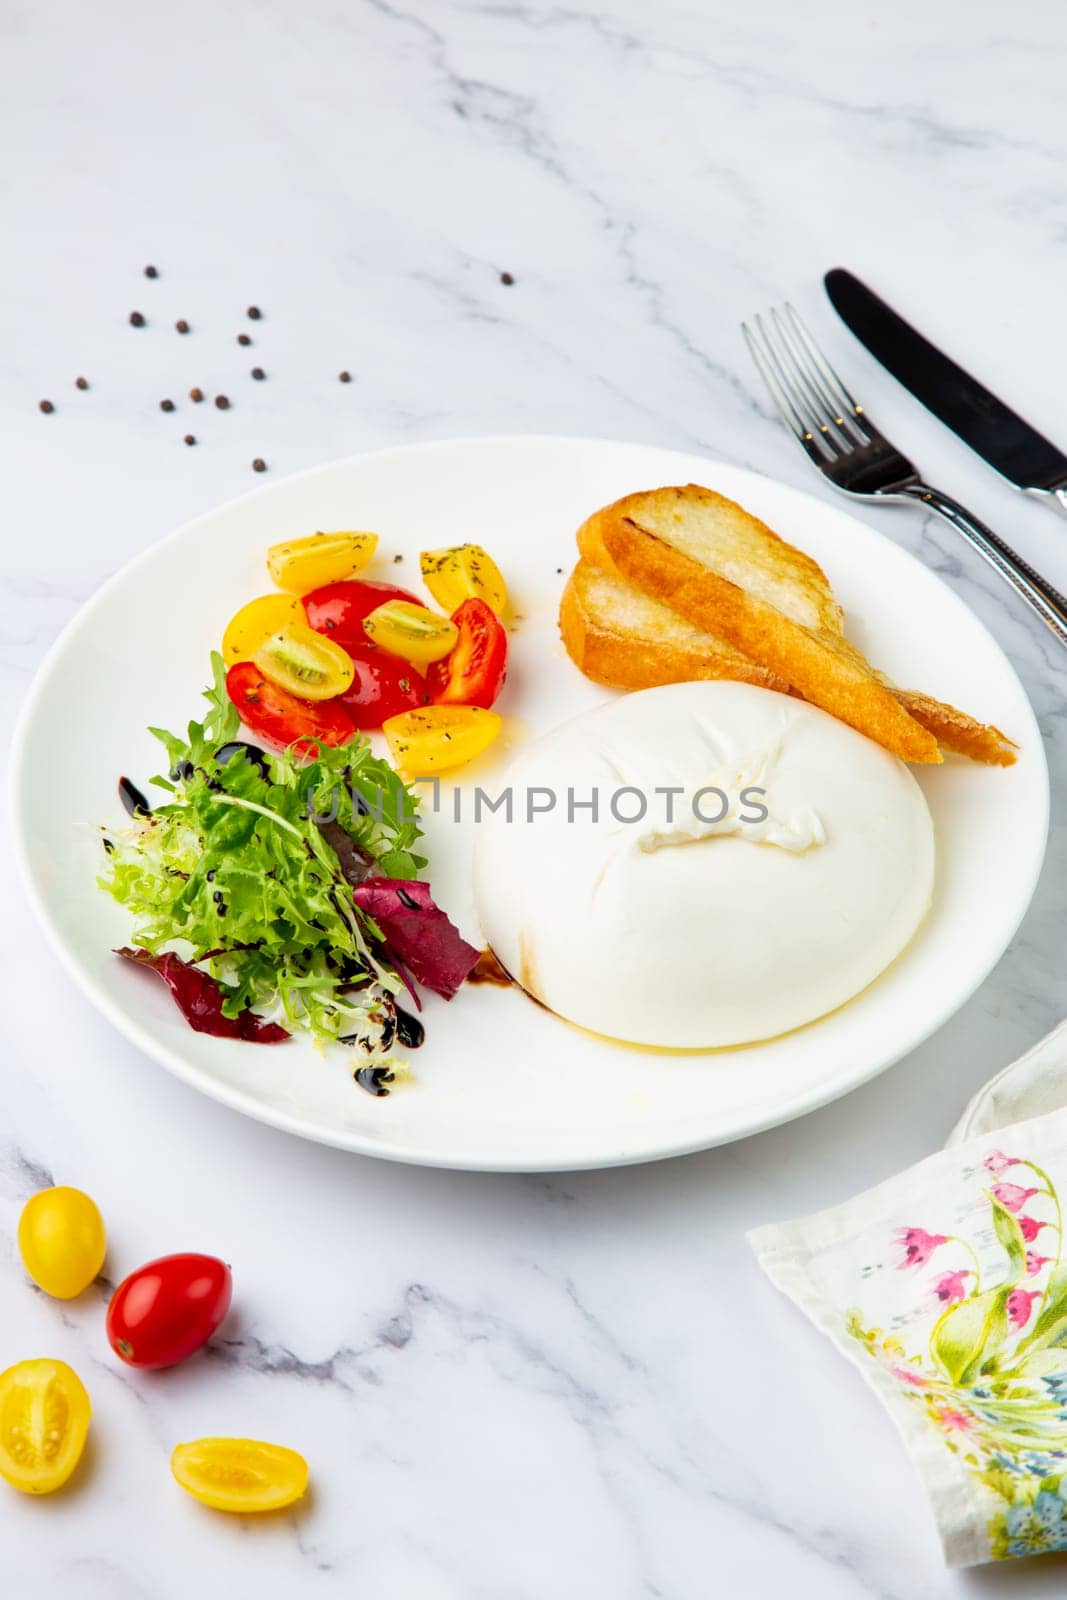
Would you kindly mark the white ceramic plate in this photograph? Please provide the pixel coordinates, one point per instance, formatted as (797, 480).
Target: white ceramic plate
(502, 1084)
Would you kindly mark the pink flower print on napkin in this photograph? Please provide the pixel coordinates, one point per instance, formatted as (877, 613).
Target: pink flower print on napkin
(997, 1162)
(1020, 1305)
(917, 1246)
(1031, 1228)
(950, 1286)
(955, 1421)
(1011, 1196)
(1034, 1263)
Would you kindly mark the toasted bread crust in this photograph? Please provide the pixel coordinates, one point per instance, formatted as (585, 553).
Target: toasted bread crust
(622, 658)
(957, 731)
(810, 661)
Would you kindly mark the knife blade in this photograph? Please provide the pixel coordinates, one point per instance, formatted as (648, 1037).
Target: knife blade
(999, 435)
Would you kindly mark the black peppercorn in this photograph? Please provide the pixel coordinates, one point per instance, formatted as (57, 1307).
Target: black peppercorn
(181, 325)
(244, 338)
(344, 377)
(46, 406)
(166, 405)
(259, 465)
(506, 279)
(254, 313)
(136, 319)
(81, 383)
(222, 402)
(258, 374)
(190, 438)
(151, 272)
(196, 395)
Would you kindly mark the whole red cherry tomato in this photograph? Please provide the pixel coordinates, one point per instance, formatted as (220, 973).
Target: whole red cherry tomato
(384, 685)
(167, 1309)
(338, 609)
(473, 673)
(278, 717)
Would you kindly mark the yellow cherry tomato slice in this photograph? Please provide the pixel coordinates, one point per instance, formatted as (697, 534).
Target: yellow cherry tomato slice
(44, 1418)
(255, 623)
(240, 1474)
(62, 1241)
(436, 738)
(299, 565)
(414, 632)
(305, 662)
(463, 572)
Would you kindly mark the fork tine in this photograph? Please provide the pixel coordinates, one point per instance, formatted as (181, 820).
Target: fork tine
(807, 376)
(792, 419)
(792, 382)
(852, 412)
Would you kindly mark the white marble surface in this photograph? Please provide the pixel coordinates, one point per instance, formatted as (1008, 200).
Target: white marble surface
(508, 1388)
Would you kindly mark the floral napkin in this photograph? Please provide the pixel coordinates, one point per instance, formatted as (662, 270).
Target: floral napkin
(947, 1288)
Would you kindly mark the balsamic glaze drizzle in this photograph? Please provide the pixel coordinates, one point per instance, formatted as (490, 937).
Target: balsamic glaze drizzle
(133, 800)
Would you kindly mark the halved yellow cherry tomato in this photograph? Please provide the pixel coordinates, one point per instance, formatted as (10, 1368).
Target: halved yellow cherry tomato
(302, 564)
(305, 662)
(44, 1418)
(62, 1241)
(255, 622)
(435, 738)
(414, 632)
(463, 572)
(240, 1474)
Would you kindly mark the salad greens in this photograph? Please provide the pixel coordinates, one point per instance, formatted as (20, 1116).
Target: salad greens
(250, 871)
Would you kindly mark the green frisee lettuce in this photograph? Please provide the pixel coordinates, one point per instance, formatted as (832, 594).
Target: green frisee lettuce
(233, 873)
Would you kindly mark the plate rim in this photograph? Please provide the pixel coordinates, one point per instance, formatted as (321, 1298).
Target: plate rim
(241, 1101)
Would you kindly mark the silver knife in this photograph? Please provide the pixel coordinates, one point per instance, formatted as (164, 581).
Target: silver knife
(995, 432)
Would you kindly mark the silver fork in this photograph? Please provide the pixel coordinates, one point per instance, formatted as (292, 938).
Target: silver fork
(843, 443)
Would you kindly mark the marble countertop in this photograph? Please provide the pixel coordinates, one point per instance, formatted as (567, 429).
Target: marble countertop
(498, 218)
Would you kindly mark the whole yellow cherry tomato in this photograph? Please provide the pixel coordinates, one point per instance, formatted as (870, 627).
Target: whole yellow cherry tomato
(255, 622)
(305, 662)
(302, 564)
(463, 572)
(62, 1241)
(435, 738)
(240, 1474)
(412, 631)
(44, 1418)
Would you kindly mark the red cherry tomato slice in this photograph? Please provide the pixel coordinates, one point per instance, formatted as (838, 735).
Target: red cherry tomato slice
(278, 717)
(473, 673)
(167, 1309)
(338, 609)
(384, 685)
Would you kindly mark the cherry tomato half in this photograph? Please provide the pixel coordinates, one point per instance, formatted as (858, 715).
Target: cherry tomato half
(300, 660)
(167, 1309)
(383, 686)
(302, 564)
(240, 1474)
(473, 674)
(437, 738)
(280, 718)
(338, 609)
(44, 1418)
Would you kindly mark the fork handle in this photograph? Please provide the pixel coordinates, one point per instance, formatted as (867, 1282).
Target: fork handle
(1029, 585)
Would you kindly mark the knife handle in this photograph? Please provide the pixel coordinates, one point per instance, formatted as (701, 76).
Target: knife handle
(1029, 585)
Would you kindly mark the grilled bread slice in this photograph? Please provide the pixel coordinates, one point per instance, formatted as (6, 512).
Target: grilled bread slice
(721, 569)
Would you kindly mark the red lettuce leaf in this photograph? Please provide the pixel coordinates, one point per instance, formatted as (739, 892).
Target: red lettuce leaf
(420, 937)
(199, 999)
